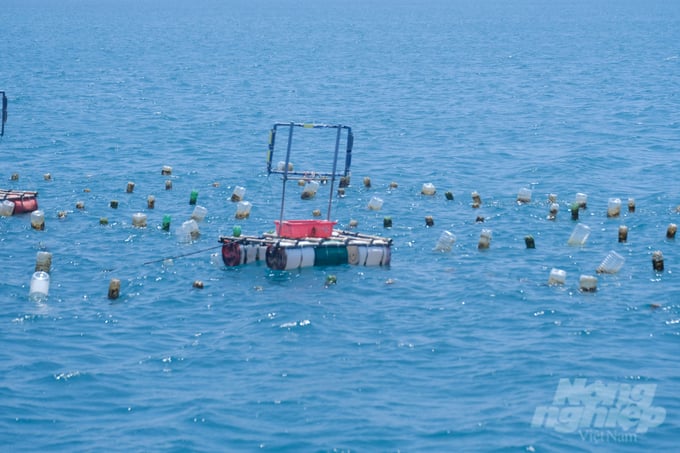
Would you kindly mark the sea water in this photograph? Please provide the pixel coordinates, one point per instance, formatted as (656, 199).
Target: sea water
(469, 350)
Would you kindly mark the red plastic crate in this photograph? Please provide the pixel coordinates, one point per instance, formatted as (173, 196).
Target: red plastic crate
(297, 229)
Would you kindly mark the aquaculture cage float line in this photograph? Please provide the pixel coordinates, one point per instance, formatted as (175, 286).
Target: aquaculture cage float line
(287, 172)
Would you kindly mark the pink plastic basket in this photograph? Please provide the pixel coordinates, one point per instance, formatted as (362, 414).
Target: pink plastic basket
(297, 229)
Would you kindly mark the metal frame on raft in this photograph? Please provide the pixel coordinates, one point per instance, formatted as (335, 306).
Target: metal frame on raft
(287, 171)
(304, 243)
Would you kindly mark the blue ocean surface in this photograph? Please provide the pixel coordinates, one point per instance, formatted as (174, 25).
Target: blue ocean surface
(465, 350)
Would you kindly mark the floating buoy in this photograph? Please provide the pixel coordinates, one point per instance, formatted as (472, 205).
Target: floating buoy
(631, 205)
(476, 199)
(623, 233)
(367, 182)
(40, 286)
(168, 184)
(587, 283)
(38, 220)
(43, 262)
(611, 264)
(281, 166)
(580, 235)
(238, 194)
(429, 221)
(103, 221)
(166, 170)
(114, 288)
(613, 207)
(448, 195)
(552, 198)
(236, 231)
(574, 211)
(341, 192)
(188, 231)
(671, 230)
(310, 190)
(139, 220)
(387, 222)
(316, 213)
(445, 242)
(581, 200)
(199, 213)
(484, 239)
(353, 223)
(130, 187)
(428, 189)
(557, 276)
(657, 261)
(331, 280)
(193, 197)
(165, 225)
(61, 214)
(479, 219)
(198, 284)
(530, 242)
(47, 177)
(150, 202)
(6, 208)
(524, 195)
(215, 184)
(243, 209)
(344, 181)
(554, 209)
(375, 203)
(15, 177)
(87, 190)
(393, 185)
(114, 204)
(80, 205)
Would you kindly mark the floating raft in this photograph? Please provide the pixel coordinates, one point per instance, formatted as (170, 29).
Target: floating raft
(282, 253)
(24, 201)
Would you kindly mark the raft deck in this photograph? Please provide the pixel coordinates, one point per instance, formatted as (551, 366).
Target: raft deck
(24, 200)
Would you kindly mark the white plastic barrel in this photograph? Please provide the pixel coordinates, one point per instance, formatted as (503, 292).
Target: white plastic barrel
(579, 235)
(374, 255)
(6, 208)
(613, 207)
(38, 220)
(188, 231)
(524, 195)
(484, 239)
(375, 204)
(428, 189)
(243, 209)
(310, 190)
(43, 261)
(199, 213)
(40, 286)
(587, 283)
(611, 264)
(139, 220)
(238, 193)
(557, 277)
(445, 242)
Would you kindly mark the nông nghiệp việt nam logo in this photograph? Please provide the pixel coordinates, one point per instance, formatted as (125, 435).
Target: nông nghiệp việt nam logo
(616, 407)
